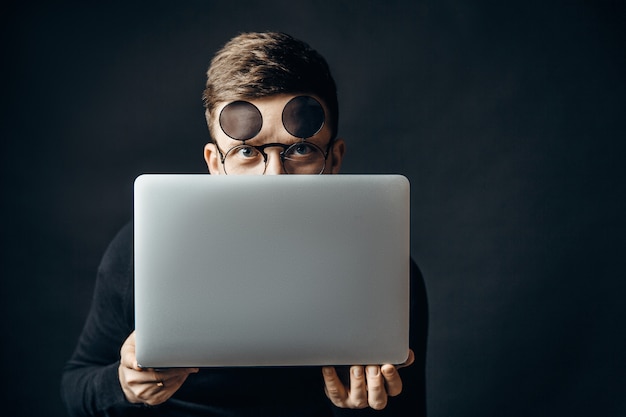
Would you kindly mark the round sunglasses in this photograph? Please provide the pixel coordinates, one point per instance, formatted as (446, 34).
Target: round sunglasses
(302, 117)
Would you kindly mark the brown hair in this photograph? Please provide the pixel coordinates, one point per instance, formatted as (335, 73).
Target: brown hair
(254, 65)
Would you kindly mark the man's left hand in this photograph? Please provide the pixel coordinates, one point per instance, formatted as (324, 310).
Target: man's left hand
(369, 385)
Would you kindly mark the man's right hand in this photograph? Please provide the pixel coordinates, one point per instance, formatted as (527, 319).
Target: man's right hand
(147, 385)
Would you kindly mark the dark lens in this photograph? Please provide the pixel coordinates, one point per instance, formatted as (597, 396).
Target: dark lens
(303, 117)
(241, 120)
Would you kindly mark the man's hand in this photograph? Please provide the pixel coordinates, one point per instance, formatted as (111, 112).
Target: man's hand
(370, 385)
(146, 385)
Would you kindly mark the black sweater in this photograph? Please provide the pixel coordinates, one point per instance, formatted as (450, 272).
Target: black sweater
(90, 385)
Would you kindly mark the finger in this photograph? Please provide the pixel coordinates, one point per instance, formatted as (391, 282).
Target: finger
(334, 388)
(155, 393)
(148, 392)
(154, 387)
(169, 377)
(357, 396)
(376, 393)
(392, 380)
(133, 383)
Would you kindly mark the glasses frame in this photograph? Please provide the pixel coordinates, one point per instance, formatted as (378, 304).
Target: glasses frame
(258, 119)
(285, 147)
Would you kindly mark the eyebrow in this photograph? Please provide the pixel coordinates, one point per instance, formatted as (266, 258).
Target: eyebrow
(292, 142)
(256, 139)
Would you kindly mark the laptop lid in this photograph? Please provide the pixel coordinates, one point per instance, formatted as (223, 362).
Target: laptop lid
(271, 270)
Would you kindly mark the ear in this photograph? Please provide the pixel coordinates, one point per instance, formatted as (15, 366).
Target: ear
(336, 155)
(212, 159)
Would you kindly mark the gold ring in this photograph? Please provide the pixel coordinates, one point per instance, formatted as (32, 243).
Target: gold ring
(159, 382)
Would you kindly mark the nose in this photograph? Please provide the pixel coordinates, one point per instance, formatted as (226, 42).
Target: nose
(274, 165)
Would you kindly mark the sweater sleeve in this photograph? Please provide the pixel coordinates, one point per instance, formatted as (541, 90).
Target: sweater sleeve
(90, 384)
(412, 400)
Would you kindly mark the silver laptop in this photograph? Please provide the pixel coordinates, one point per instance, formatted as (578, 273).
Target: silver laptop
(290, 270)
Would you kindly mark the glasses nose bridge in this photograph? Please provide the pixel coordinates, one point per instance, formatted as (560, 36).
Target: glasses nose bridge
(276, 167)
(281, 154)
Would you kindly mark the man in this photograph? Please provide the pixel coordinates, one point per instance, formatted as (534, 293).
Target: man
(271, 108)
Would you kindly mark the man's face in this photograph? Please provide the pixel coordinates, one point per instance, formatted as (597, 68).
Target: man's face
(272, 131)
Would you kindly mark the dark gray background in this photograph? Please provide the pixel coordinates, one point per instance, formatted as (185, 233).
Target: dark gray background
(507, 117)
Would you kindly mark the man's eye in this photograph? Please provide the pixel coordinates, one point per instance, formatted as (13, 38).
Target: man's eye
(247, 152)
(302, 149)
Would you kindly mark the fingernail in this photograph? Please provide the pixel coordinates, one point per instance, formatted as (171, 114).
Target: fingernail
(327, 371)
(373, 370)
(388, 370)
(357, 371)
